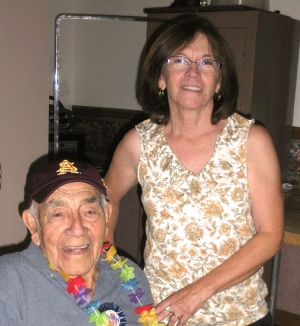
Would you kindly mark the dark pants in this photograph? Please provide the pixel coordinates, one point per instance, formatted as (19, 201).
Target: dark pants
(266, 321)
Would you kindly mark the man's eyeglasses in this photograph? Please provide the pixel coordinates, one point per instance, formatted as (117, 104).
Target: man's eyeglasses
(183, 63)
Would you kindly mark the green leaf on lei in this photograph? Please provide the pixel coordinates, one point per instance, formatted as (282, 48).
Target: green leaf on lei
(99, 318)
(127, 273)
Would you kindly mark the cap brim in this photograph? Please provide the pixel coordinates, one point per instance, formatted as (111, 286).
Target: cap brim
(46, 191)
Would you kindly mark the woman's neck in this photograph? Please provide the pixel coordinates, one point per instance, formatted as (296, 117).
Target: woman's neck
(189, 124)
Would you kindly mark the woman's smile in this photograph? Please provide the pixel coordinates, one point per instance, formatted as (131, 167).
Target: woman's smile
(192, 88)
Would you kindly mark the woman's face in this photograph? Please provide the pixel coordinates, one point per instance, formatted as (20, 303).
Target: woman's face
(191, 88)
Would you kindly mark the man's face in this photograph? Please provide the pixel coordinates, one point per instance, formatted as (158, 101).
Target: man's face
(73, 227)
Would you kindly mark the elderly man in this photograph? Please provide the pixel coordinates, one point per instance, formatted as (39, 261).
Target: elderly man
(67, 276)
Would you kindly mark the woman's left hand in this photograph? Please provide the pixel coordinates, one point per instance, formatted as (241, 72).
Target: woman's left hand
(180, 306)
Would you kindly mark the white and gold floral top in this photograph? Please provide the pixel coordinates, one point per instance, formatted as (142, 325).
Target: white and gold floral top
(196, 221)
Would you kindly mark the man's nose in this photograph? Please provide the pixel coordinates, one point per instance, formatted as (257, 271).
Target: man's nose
(76, 227)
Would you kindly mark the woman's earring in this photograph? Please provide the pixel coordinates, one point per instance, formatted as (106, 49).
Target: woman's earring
(217, 96)
(161, 93)
(160, 118)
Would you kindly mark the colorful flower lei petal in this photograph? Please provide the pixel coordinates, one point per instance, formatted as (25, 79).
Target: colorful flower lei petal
(105, 246)
(110, 254)
(127, 273)
(139, 310)
(148, 317)
(92, 307)
(99, 318)
(82, 296)
(64, 275)
(130, 285)
(134, 297)
(74, 284)
(119, 263)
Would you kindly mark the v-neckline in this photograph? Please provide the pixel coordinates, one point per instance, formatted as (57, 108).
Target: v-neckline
(210, 158)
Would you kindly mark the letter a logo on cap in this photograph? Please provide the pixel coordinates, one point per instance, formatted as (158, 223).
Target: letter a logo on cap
(66, 167)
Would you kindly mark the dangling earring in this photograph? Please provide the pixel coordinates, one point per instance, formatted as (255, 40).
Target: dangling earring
(161, 93)
(160, 118)
(217, 96)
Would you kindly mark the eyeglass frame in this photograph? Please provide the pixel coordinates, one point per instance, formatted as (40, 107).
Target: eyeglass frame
(219, 65)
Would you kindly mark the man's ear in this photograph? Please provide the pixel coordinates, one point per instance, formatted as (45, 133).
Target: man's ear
(30, 222)
(108, 210)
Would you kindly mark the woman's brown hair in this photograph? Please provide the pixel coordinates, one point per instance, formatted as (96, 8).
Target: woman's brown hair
(176, 37)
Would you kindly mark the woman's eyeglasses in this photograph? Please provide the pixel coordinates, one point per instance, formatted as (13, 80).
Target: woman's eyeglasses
(183, 63)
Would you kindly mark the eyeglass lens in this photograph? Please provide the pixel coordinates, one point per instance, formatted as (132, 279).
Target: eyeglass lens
(184, 63)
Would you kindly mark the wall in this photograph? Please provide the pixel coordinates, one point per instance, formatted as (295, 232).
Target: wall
(66, 48)
(24, 66)
(98, 59)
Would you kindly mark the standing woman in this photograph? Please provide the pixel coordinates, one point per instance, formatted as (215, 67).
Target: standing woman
(210, 184)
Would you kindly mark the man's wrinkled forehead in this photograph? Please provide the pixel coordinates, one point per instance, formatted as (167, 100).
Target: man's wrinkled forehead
(79, 191)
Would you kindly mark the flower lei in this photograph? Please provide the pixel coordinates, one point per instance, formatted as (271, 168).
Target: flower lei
(95, 310)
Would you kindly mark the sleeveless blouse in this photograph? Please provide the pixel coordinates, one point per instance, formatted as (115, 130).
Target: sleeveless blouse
(196, 221)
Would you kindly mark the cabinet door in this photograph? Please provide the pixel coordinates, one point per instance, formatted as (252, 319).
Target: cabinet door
(236, 39)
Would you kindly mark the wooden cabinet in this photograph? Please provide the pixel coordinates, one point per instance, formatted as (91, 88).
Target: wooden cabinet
(265, 46)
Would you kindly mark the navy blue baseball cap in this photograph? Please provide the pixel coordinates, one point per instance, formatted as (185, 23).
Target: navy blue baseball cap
(57, 173)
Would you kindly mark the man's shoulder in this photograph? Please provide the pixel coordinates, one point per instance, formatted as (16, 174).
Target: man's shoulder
(11, 270)
(19, 260)
(10, 260)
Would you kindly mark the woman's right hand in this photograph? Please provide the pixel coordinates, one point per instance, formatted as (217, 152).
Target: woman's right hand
(180, 306)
